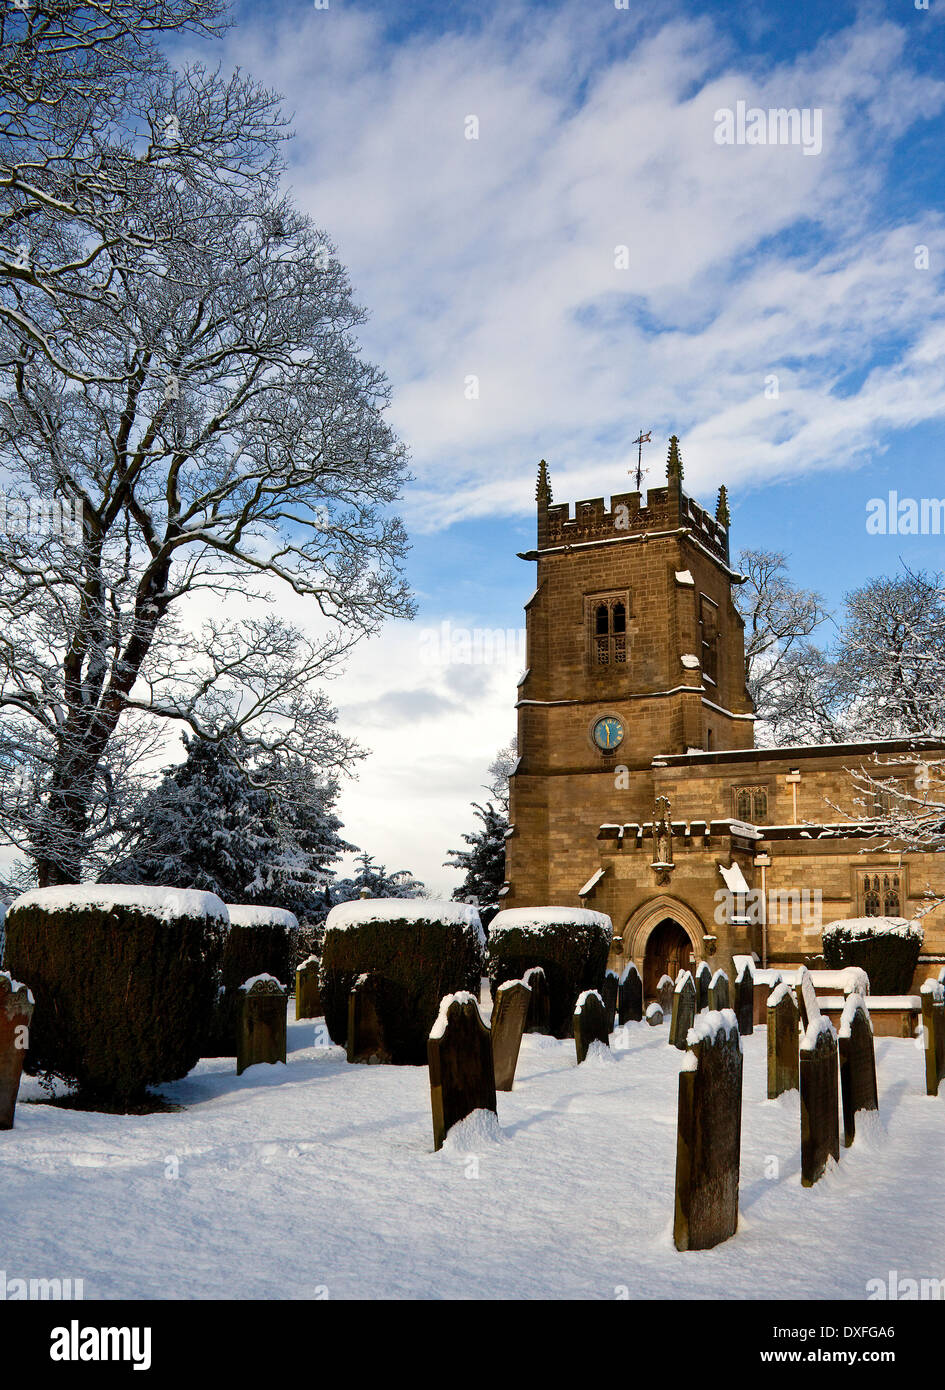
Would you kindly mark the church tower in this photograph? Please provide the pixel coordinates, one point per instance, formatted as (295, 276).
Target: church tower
(634, 650)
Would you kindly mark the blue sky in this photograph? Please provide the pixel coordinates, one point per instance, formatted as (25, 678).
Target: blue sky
(495, 257)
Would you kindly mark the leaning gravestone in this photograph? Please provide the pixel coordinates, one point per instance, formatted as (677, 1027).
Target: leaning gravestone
(708, 1142)
(630, 995)
(539, 1008)
(718, 992)
(16, 1011)
(308, 1002)
(508, 1024)
(783, 1042)
(933, 1031)
(366, 1041)
(744, 1001)
(654, 1015)
(664, 993)
(590, 1023)
(609, 996)
(684, 1010)
(857, 1064)
(262, 1032)
(807, 998)
(459, 1052)
(820, 1124)
(703, 979)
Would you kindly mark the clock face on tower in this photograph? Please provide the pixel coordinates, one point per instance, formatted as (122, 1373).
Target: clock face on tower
(608, 732)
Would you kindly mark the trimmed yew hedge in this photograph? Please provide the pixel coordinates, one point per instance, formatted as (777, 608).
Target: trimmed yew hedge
(124, 982)
(570, 944)
(417, 949)
(887, 948)
(259, 941)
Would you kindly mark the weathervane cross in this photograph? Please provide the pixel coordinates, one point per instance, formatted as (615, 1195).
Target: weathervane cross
(640, 440)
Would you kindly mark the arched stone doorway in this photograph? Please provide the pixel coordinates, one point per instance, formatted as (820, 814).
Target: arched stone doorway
(668, 950)
(676, 934)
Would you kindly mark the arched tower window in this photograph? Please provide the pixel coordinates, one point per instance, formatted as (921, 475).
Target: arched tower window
(608, 637)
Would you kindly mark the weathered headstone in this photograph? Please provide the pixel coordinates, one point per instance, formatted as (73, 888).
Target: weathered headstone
(508, 1025)
(783, 1041)
(744, 1001)
(308, 999)
(539, 1008)
(630, 995)
(654, 1015)
(684, 1010)
(857, 1064)
(820, 1114)
(590, 1023)
(806, 998)
(718, 992)
(608, 995)
(16, 1011)
(933, 1031)
(366, 1040)
(708, 1142)
(459, 1052)
(262, 1032)
(702, 979)
(664, 993)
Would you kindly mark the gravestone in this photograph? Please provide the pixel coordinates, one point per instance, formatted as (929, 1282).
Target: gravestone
(744, 1002)
(783, 1041)
(366, 1040)
(539, 1008)
(820, 1122)
(654, 1015)
(630, 995)
(664, 994)
(857, 1064)
(703, 979)
(508, 1025)
(708, 1140)
(933, 1031)
(608, 994)
(806, 998)
(459, 1053)
(308, 1000)
(718, 992)
(590, 1023)
(684, 1010)
(262, 1032)
(16, 1011)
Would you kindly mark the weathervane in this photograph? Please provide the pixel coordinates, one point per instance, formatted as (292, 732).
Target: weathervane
(640, 440)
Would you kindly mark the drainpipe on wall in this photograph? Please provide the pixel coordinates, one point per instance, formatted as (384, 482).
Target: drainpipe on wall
(763, 862)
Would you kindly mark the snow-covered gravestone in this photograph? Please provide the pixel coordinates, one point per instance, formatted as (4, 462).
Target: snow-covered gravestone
(703, 979)
(718, 992)
(16, 1011)
(664, 994)
(807, 998)
(708, 1141)
(508, 1025)
(459, 1052)
(539, 1008)
(608, 994)
(629, 995)
(933, 1032)
(654, 1015)
(820, 1122)
(857, 1064)
(308, 1003)
(590, 1023)
(684, 1010)
(783, 1041)
(262, 1034)
(744, 1001)
(366, 1041)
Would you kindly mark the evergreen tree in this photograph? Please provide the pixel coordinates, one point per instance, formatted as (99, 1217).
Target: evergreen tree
(483, 862)
(377, 881)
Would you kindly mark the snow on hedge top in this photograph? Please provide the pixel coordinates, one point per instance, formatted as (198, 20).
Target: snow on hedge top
(462, 996)
(251, 915)
(536, 920)
(166, 903)
(345, 916)
(855, 928)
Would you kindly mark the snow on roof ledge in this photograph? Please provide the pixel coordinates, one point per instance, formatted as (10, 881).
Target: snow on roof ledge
(594, 879)
(166, 903)
(734, 878)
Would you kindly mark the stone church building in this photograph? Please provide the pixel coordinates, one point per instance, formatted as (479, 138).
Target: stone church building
(639, 791)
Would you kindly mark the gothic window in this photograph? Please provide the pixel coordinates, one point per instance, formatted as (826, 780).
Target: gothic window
(891, 895)
(608, 639)
(709, 633)
(872, 902)
(750, 804)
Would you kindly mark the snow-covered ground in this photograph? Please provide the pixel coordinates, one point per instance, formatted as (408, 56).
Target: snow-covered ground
(319, 1179)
